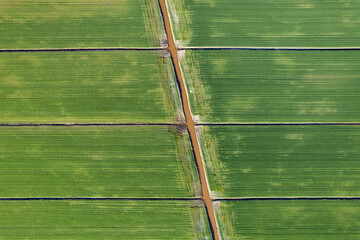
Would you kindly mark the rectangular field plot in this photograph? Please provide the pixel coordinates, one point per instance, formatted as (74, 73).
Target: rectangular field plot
(281, 161)
(101, 161)
(270, 23)
(27, 24)
(289, 220)
(88, 87)
(273, 86)
(103, 220)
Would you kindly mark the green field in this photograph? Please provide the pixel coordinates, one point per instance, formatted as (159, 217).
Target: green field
(273, 86)
(88, 87)
(103, 220)
(27, 24)
(281, 161)
(270, 23)
(96, 161)
(289, 220)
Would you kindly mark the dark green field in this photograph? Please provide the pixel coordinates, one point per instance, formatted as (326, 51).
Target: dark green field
(103, 220)
(289, 220)
(88, 87)
(273, 86)
(281, 161)
(96, 161)
(270, 23)
(28, 24)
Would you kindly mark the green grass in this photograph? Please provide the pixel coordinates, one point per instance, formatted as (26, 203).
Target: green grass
(101, 161)
(103, 220)
(80, 24)
(281, 161)
(273, 86)
(289, 220)
(270, 23)
(88, 87)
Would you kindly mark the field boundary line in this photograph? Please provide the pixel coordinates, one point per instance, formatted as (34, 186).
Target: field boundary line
(271, 48)
(279, 124)
(99, 198)
(284, 198)
(189, 121)
(82, 49)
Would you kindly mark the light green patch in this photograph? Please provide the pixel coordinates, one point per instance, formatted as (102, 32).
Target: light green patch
(12, 80)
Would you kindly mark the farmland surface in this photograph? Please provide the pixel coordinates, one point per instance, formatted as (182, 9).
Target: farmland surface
(281, 161)
(273, 86)
(179, 119)
(88, 87)
(97, 161)
(289, 220)
(270, 23)
(32, 24)
(103, 220)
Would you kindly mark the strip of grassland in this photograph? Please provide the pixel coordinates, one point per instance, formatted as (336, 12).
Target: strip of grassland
(273, 86)
(102, 220)
(88, 87)
(281, 161)
(80, 23)
(99, 161)
(289, 220)
(271, 23)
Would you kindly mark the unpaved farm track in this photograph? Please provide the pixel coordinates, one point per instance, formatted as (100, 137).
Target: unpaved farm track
(189, 121)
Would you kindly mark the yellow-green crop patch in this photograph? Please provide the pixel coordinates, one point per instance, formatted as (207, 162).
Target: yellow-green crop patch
(273, 86)
(269, 23)
(88, 87)
(96, 161)
(80, 24)
(281, 161)
(103, 220)
(289, 220)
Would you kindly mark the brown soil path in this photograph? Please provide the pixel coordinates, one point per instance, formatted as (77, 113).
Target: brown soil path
(189, 121)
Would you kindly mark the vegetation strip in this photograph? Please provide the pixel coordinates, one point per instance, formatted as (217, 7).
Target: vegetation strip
(189, 121)
(284, 198)
(80, 49)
